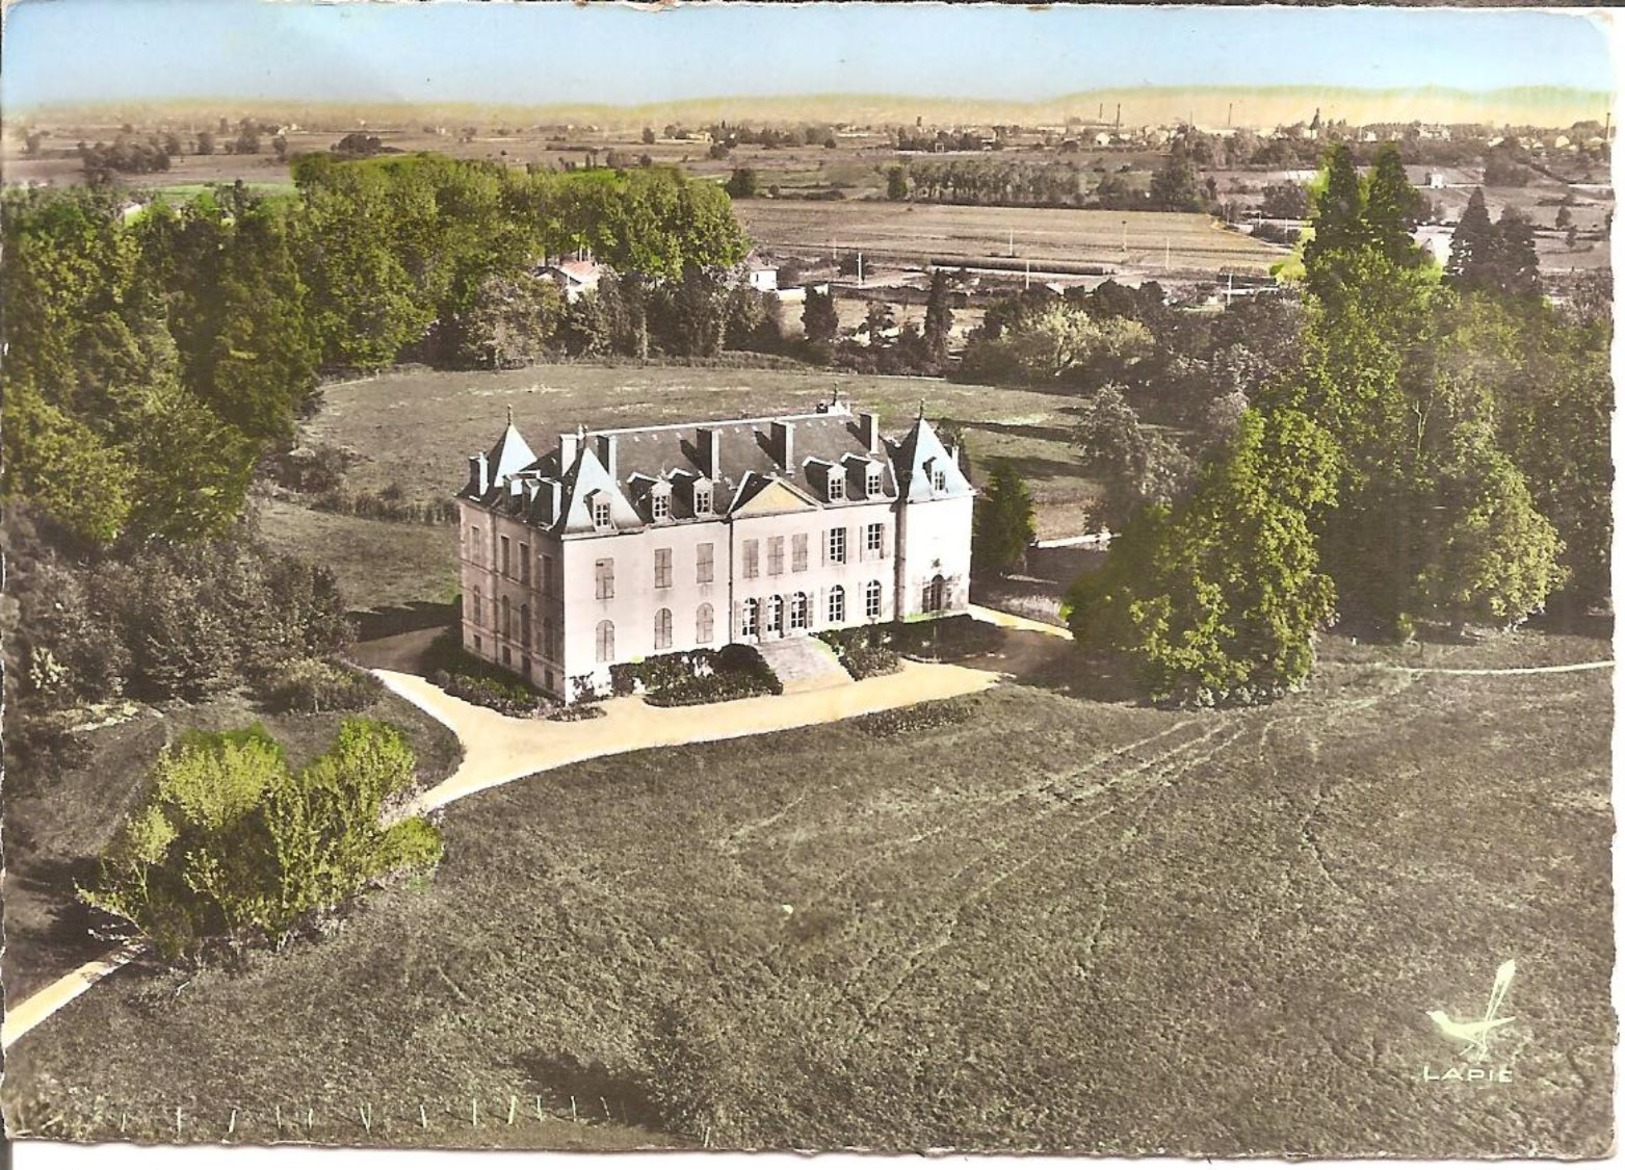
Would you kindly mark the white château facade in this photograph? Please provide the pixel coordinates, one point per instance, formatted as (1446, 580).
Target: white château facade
(618, 545)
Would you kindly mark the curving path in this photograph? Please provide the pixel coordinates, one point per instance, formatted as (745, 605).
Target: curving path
(498, 749)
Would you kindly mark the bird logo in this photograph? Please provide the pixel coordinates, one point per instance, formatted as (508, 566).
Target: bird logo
(1475, 1034)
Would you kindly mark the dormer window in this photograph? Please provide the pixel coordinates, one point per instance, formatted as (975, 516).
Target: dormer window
(837, 483)
(660, 502)
(939, 480)
(702, 499)
(873, 481)
(600, 512)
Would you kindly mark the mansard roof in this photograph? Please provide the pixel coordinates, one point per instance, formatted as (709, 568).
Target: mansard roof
(553, 490)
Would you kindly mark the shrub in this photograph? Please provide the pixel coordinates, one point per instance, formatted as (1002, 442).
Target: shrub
(233, 846)
(507, 697)
(692, 677)
(312, 685)
(911, 720)
(863, 651)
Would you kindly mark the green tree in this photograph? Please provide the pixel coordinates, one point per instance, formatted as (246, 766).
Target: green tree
(819, 321)
(1173, 186)
(897, 183)
(1139, 466)
(1472, 245)
(939, 318)
(1003, 527)
(742, 183)
(1493, 558)
(1219, 598)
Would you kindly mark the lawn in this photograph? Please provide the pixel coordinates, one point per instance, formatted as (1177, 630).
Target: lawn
(1030, 919)
(416, 428)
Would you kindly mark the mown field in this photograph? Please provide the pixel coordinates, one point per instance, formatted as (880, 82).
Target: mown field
(1146, 241)
(416, 428)
(1031, 919)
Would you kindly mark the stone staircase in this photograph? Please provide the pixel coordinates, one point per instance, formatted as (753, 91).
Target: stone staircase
(803, 663)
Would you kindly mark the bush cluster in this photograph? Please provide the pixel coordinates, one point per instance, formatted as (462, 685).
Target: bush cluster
(234, 847)
(911, 720)
(692, 677)
(499, 694)
(313, 685)
(385, 505)
(168, 621)
(864, 652)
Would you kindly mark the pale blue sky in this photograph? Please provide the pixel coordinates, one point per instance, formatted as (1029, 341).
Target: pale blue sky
(93, 50)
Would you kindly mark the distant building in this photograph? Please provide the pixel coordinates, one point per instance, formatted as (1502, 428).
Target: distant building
(618, 545)
(762, 276)
(575, 278)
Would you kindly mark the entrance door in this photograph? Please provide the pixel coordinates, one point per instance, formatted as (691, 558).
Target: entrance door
(773, 622)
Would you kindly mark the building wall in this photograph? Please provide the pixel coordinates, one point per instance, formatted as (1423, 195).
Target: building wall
(565, 611)
(935, 539)
(822, 574)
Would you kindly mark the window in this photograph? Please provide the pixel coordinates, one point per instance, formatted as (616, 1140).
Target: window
(506, 570)
(606, 641)
(749, 559)
(775, 556)
(547, 574)
(702, 500)
(660, 504)
(837, 546)
(524, 624)
(748, 615)
(837, 484)
(800, 612)
(798, 553)
(507, 657)
(478, 614)
(663, 630)
(874, 541)
(871, 600)
(474, 544)
(546, 644)
(604, 574)
(774, 622)
(662, 568)
(703, 563)
(600, 512)
(479, 644)
(524, 666)
(524, 564)
(939, 480)
(936, 595)
(507, 619)
(837, 604)
(874, 484)
(704, 624)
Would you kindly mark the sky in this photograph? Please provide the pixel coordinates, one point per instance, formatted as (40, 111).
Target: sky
(76, 51)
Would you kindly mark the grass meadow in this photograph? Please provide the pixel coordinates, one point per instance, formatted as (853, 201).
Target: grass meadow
(1033, 918)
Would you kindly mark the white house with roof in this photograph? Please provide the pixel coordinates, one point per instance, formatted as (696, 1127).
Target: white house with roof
(617, 545)
(575, 278)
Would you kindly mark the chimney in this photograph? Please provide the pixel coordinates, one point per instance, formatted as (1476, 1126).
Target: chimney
(606, 456)
(569, 448)
(869, 430)
(709, 442)
(478, 475)
(784, 442)
(555, 500)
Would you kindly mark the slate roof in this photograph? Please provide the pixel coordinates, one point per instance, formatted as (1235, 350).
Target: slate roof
(669, 458)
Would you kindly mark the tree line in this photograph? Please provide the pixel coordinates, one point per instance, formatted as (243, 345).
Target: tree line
(1434, 451)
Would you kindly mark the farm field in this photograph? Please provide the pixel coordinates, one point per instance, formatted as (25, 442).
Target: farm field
(1028, 919)
(900, 233)
(415, 428)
